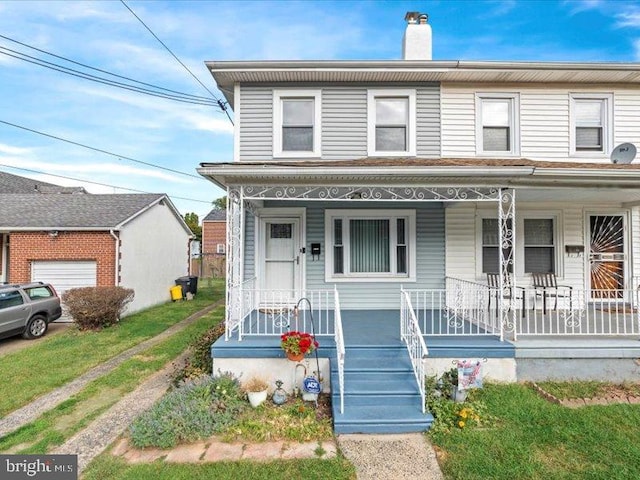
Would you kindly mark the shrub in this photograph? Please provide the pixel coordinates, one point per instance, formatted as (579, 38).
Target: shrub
(94, 308)
(187, 414)
(199, 361)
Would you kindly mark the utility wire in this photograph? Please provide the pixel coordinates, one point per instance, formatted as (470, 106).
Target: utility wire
(96, 183)
(93, 78)
(222, 104)
(84, 65)
(106, 152)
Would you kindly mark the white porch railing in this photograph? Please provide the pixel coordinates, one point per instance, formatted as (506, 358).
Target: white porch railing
(462, 308)
(412, 337)
(580, 312)
(271, 312)
(340, 349)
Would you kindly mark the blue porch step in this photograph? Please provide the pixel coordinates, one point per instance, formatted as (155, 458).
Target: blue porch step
(381, 394)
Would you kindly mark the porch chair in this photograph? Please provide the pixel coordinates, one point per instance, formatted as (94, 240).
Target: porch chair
(509, 292)
(546, 285)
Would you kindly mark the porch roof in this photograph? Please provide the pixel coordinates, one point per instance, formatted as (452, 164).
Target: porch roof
(517, 172)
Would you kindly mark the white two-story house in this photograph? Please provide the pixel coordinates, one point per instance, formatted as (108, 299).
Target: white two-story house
(440, 210)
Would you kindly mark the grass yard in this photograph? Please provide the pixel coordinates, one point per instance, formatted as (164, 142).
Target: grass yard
(54, 361)
(109, 467)
(531, 438)
(59, 424)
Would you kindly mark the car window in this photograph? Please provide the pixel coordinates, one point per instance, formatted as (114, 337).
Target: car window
(10, 299)
(38, 292)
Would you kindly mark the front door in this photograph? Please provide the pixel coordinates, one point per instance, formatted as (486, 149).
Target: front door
(281, 255)
(607, 256)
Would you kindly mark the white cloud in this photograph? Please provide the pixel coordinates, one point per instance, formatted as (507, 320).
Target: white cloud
(629, 17)
(11, 150)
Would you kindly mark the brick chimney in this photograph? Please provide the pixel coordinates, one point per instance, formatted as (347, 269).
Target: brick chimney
(416, 43)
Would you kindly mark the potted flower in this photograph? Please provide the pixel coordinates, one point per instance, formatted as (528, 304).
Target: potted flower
(297, 344)
(256, 389)
(449, 382)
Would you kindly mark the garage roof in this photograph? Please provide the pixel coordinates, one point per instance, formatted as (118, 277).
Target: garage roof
(72, 212)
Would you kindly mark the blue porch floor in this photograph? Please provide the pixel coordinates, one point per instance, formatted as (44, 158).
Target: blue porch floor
(361, 328)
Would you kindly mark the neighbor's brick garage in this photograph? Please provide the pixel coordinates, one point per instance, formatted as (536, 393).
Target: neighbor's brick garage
(25, 247)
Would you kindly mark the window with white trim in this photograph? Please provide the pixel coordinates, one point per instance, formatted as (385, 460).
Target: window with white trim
(536, 244)
(391, 119)
(370, 245)
(591, 123)
(221, 248)
(296, 123)
(497, 124)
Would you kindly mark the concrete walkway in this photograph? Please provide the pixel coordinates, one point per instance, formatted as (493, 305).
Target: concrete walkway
(33, 410)
(391, 457)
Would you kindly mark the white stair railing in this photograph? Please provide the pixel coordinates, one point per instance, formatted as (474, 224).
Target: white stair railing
(340, 349)
(412, 337)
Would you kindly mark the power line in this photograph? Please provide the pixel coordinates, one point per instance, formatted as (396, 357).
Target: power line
(76, 73)
(222, 104)
(84, 65)
(97, 183)
(106, 152)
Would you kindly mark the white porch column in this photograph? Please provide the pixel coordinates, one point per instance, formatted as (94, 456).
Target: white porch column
(506, 252)
(235, 256)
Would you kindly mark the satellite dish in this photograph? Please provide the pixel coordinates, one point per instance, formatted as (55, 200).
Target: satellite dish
(623, 153)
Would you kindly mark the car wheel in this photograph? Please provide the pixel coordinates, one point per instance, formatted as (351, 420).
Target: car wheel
(36, 327)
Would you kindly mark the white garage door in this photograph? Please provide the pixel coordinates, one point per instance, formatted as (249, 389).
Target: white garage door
(64, 275)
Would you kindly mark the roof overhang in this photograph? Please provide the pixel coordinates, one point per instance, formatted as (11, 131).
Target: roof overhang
(228, 73)
(433, 172)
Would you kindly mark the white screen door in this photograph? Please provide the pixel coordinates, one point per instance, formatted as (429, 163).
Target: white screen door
(281, 254)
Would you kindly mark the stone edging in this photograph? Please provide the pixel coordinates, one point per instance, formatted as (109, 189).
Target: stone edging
(214, 450)
(582, 402)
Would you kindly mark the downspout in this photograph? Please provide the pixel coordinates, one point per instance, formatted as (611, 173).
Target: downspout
(117, 239)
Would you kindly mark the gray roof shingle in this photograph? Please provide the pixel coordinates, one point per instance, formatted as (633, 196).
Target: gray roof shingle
(15, 184)
(215, 215)
(68, 211)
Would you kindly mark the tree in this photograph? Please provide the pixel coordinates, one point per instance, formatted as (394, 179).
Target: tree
(193, 222)
(220, 203)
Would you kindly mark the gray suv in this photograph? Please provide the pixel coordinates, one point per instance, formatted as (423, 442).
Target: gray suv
(27, 309)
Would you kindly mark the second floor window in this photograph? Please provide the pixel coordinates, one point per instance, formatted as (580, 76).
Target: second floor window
(591, 130)
(296, 123)
(391, 122)
(497, 124)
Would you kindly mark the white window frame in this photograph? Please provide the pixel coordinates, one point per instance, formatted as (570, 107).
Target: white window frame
(514, 123)
(347, 215)
(221, 249)
(372, 94)
(278, 97)
(558, 241)
(607, 124)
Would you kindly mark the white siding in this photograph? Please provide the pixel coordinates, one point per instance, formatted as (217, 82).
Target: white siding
(544, 119)
(461, 237)
(154, 252)
(256, 124)
(635, 247)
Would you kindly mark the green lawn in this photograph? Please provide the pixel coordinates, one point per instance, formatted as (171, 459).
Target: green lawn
(534, 439)
(53, 361)
(56, 426)
(107, 467)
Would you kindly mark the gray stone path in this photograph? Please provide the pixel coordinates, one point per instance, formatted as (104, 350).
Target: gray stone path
(391, 456)
(33, 410)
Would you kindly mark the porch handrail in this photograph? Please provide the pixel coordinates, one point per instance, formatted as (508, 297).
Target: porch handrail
(412, 337)
(340, 349)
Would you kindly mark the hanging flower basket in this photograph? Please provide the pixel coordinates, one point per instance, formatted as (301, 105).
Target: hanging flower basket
(297, 344)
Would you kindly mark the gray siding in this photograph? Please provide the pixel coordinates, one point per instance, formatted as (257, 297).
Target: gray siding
(249, 246)
(384, 295)
(256, 113)
(344, 121)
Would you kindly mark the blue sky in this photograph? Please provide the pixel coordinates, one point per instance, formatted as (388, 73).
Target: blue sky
(181, 136)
